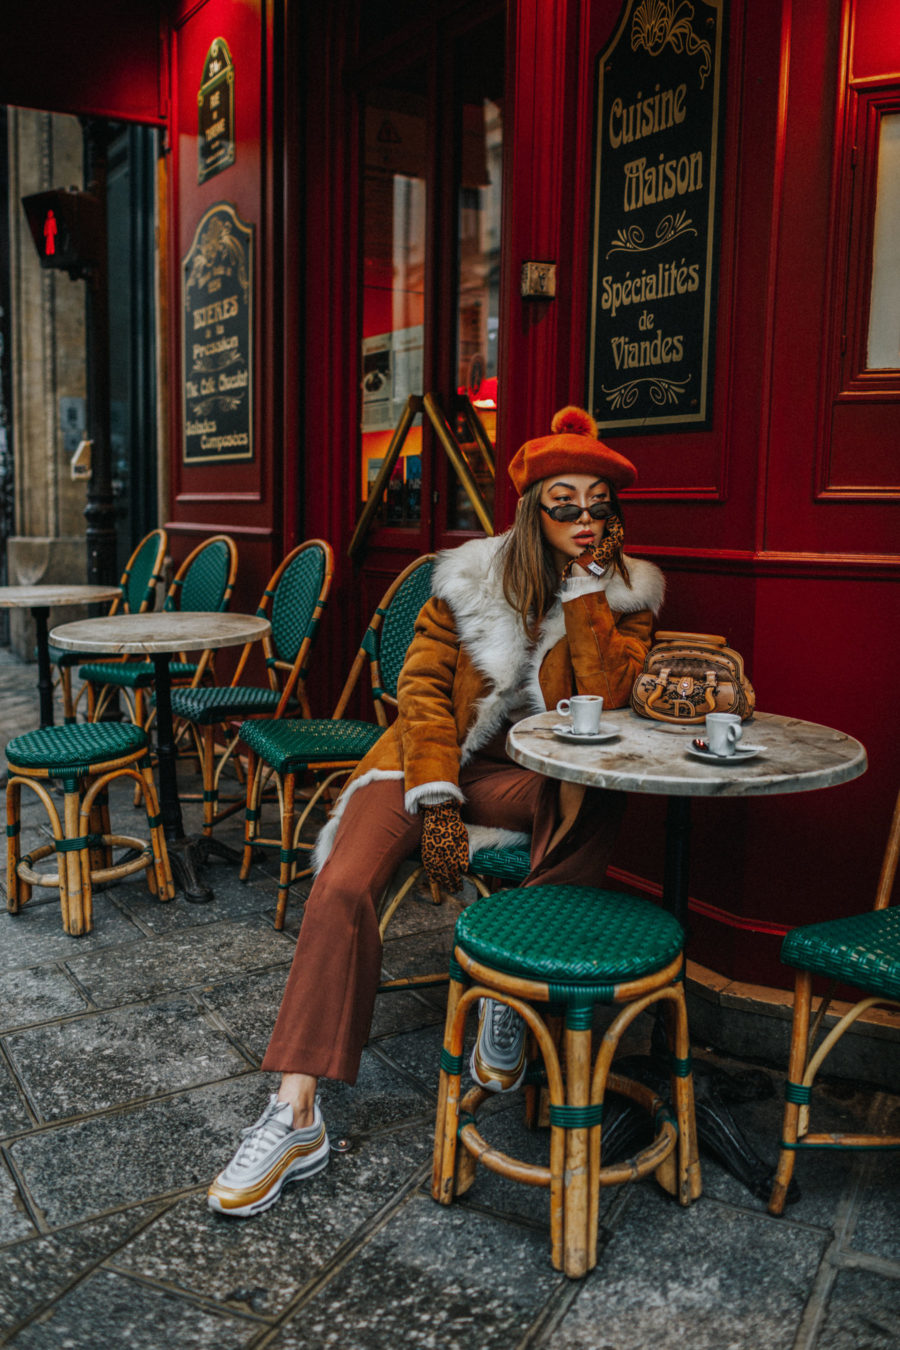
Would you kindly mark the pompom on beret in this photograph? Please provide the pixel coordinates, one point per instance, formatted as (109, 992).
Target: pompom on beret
(572, 447)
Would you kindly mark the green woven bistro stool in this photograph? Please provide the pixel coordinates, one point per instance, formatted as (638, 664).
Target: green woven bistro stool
(545, 950)
(85, 758)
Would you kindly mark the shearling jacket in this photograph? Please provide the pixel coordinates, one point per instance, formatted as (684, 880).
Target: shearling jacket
(471, 667)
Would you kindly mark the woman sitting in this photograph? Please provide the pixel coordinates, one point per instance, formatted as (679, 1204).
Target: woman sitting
(551, 608)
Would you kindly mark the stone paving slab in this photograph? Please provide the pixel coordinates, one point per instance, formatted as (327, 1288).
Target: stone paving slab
(863, 1313)
(261, 1265)
(34, 1274)
(708, 1276)
(107, 1309)
(35, 936)
(134, 1155)
(13, 1111)
(184, 958)
(432, 1276)
(37, 995)
(95, 1062)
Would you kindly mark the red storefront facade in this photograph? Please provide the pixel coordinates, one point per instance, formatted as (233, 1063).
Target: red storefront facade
(775, 524)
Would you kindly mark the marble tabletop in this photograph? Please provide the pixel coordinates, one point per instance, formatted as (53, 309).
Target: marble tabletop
(652, 757)
(50, 593)
(163, 631)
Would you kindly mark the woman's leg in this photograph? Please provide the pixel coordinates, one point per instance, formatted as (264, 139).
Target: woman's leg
(323, 1022)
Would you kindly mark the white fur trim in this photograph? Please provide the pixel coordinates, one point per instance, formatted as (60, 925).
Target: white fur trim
(431, 794)
(489, 836)
(325, 837)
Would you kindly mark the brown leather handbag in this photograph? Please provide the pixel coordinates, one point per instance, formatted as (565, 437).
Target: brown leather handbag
(687, 675)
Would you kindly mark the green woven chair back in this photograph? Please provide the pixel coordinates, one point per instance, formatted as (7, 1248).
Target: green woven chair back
(142, 573)
(397, 628)
(205, 583)
(294, 601)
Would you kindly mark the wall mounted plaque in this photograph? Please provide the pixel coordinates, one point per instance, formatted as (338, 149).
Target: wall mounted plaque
(217, 315)
(215, 112)
(660, 97)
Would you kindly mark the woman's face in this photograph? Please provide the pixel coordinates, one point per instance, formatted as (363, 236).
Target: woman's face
(568, 539)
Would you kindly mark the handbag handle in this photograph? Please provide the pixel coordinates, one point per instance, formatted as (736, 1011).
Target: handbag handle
(711, 638)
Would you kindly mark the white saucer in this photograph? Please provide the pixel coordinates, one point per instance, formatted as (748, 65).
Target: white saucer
(581, 738)
(740, 752)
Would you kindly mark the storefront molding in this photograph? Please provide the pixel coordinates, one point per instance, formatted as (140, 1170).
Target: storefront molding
(772, 563)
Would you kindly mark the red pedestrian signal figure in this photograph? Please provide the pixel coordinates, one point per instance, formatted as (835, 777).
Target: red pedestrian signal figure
(50, 231)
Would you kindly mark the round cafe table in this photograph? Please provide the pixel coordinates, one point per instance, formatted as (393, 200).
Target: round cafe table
(653, 757)
(38, 599)
(157, 636)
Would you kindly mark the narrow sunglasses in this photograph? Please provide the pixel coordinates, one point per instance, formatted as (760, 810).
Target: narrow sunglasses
(569, 511)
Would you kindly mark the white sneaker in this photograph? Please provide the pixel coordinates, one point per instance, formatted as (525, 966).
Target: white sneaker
(271, 1153)
(498, 1058)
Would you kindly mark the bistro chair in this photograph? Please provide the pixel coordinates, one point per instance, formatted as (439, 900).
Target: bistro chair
(488, 868)
(138, 583)
(329, 747)
(203, 582)
(862, 950)
(552, 952)
(294, 601)
(84, 758)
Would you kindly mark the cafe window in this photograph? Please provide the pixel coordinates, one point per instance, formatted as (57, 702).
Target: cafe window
(870, 333)
(883, 344)
(430, 239)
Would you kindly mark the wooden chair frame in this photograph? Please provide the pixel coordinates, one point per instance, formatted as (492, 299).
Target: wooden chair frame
(805, 1061)
(214, 759)
(328, 773)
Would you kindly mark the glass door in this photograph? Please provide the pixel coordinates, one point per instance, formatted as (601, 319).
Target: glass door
(430, 235)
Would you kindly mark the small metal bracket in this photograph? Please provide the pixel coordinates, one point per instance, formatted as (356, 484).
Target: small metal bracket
(539, 281)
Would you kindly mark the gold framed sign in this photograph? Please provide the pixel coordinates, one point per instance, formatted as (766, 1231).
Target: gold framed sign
(217, 344)
(660, 98)
(215, 112)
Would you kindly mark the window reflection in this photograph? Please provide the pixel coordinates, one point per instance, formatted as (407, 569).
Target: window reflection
(393, 294)
(478, 298)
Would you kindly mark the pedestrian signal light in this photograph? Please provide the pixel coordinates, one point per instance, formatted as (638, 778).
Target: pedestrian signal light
(65, 227)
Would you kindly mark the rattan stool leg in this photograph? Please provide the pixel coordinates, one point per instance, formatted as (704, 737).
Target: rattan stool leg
(251, 810)
(689, 1184)
(71, 885)
(447, 1114)
(286, 865)
(162, 870)
(576, 1203)
(208, 768)
(796, 1070)
(18, 892)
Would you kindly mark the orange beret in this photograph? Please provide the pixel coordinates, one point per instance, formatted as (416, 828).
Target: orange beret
(572, 447)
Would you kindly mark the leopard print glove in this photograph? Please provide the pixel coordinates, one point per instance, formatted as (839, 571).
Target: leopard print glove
(601, 555)
(445, 845)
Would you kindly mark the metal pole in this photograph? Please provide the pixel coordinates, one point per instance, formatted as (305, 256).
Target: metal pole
(99, 510)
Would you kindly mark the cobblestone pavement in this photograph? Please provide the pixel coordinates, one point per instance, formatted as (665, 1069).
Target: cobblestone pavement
(129, 1062)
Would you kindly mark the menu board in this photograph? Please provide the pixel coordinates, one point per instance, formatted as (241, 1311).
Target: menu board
(217, 323)
(655, 247)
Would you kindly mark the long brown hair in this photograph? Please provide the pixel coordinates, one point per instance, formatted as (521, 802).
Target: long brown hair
(530, 580)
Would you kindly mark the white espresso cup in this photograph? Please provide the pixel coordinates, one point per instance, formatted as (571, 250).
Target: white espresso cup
(584, 711)
(723, 731)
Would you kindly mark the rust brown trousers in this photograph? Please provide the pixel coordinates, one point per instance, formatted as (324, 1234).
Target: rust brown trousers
(326, 1011)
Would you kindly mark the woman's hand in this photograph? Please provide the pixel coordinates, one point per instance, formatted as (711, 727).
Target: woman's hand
(598, 558)
(445, 845)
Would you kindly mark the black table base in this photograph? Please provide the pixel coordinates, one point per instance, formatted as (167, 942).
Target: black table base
(718, 1133)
